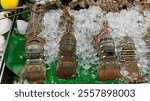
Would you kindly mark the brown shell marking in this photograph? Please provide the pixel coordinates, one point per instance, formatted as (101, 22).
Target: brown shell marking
(34, 73)
(66, 66)
(34, 69)
(146, 38)
(108, 73)
(128, 60)
(145, 4)
(108, 69)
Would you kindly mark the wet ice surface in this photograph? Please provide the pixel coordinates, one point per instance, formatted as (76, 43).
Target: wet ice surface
(51, 34)
(131, 23)
(22, 26)
(87, 24)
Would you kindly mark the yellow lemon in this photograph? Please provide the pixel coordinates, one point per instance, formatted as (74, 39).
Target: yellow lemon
(9, 4)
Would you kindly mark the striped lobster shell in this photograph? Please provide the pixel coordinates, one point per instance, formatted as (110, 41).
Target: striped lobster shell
(109, 68)
(146, 38)
(129, 61)
(66, 67)
(34, 69)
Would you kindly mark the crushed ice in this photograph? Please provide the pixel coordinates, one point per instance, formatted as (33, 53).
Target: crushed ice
(51, 34)
(87, 24)
(22, 26)
(131, 23)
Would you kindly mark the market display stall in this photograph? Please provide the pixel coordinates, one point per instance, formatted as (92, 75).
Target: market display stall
(110, 43)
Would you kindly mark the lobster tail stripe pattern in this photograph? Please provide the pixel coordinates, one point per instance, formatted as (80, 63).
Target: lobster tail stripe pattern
(108, 69)
(146, 38)
(129, 61)
(66, 67)
(34, 70)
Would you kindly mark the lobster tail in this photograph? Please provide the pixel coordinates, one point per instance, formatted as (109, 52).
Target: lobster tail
(108, 69)
(66, 67)
(129, 62)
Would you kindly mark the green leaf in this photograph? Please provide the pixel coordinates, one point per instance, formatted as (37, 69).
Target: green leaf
(15, 53)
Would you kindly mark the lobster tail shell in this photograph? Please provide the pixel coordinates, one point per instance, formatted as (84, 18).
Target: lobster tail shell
(108, 69)
(146, 38)
(134, 76)
(34, 69)
(66, 67)
(128, 60)
(34, 73)
(111, 72)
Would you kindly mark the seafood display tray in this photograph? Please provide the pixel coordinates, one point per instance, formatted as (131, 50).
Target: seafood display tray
(14, 58)
(6, 75)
